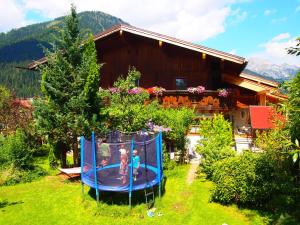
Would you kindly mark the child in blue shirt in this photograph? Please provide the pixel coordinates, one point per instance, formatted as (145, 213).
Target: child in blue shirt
(136, 164)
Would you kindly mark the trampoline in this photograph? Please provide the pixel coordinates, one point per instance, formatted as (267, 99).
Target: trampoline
(122, 162)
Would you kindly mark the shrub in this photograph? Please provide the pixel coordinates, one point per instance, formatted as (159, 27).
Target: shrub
(15, 150)
(237, 180)
(179, 121)
(216, 142)
(261, 179)
(12, 176)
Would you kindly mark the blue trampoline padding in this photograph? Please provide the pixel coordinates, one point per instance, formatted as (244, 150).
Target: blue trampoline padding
(150, 183)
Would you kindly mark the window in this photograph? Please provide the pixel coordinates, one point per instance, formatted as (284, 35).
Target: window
(181, 84)
(137, 82)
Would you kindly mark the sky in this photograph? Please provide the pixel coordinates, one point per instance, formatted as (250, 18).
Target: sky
(250, 28)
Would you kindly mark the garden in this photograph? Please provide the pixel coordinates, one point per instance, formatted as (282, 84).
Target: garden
(230, 188)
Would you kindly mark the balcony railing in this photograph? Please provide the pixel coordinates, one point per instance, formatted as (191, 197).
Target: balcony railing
(206, 101)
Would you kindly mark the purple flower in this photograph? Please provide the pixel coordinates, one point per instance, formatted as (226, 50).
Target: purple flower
(196, 90)
(157, 128)
(135, 90)
(223, 92)
(158, 90)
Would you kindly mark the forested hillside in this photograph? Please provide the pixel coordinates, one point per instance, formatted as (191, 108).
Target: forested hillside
(20, 46)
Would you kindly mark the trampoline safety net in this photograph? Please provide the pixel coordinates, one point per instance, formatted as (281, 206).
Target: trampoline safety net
(121, 161)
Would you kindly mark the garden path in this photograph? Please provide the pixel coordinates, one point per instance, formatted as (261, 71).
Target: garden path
(193, 169)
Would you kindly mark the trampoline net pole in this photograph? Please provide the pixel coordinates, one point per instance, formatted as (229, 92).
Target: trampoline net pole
(95, 166)
(157, 140)
(81, 162)
(131, 172)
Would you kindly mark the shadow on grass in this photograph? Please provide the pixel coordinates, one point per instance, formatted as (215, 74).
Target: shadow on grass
(278, 216)
(122, 198)
(5, 203)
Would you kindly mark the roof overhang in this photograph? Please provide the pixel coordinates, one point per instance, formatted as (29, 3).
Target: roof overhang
(159, 37)
(246, 83)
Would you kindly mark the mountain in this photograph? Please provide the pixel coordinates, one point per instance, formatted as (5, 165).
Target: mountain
(271, 71)
(20, 46)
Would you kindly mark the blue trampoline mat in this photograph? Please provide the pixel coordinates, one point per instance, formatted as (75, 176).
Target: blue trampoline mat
(109, 178)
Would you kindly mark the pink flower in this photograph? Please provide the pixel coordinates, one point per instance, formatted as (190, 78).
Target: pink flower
(196, 90)
(158, 90)
(114, 90)
(135, 91)
(223, 92)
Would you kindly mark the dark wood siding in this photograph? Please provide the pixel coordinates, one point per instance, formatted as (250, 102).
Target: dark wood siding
(159, 65)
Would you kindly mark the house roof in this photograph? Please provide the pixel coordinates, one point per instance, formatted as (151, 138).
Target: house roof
(264, 117)
(159, 37)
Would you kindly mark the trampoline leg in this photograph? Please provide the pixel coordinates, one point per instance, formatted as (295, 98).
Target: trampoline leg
(159, 190)
(130, 201)
(97, 197)
(82, 190)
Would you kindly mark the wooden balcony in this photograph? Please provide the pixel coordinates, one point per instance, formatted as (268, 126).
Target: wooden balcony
(208, 101)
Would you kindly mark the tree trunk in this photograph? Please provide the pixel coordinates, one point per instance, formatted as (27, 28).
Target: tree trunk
(75, 153)
(62, 149)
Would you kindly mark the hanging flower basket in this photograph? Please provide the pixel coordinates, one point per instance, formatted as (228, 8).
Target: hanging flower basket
(196, 90)
(223, 92)
(135, 91)
(156, 90)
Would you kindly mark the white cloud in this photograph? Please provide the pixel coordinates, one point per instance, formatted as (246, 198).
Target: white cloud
(238, 16)
(269, 12)
(275, 50)
(280, 37)
(279, 20)
(11, 15)
(233, 51)
(192, 20)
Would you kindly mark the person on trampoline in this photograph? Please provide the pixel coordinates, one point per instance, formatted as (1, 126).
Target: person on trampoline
(105, 152)
(123, 164)
(136, 164)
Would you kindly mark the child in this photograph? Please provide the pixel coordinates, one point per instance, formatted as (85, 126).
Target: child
(105, 153)
(136, 163)
(123, 164)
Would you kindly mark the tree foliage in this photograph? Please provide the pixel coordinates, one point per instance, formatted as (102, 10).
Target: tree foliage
(70, 83)
(12, 114)
(216, 142)
(295, 50)
(127, 111)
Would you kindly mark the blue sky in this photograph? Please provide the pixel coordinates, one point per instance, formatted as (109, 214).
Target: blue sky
(250, 28)
(263, 22)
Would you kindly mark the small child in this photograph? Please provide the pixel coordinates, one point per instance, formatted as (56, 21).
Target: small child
(123, 164)
(136, 163)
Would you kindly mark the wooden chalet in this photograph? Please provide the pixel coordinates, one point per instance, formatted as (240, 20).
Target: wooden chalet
(176, 65)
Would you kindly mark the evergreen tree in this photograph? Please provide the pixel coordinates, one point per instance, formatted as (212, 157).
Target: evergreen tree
(70, 83)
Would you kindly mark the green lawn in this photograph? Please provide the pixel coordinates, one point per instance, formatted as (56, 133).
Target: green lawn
(54, 201)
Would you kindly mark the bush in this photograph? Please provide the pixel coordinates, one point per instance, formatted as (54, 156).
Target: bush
(216, 143)
(237, 180)
(261, 179)
(12, 176)
(14, 150)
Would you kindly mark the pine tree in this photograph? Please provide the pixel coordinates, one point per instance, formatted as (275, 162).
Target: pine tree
(70, 83)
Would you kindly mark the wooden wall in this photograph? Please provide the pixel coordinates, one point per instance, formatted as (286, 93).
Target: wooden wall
(159, 65)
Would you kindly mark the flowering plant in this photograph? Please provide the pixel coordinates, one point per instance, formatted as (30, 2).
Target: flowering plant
(114, 90)
(157, 128)
(223, 92)
(196, 90)
(156, 90)
(135, 91)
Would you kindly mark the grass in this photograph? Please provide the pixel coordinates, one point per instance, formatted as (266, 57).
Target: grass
(52, 200)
